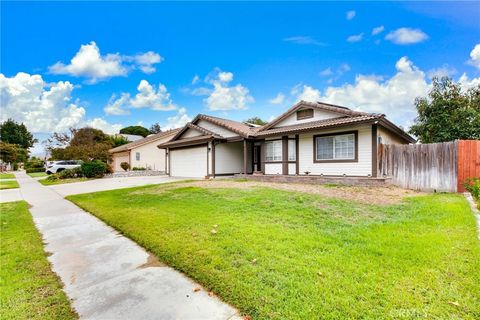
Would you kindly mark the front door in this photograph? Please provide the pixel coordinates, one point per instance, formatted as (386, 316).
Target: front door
(257, 165)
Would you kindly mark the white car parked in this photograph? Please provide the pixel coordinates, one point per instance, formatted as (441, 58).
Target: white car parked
(59, 166)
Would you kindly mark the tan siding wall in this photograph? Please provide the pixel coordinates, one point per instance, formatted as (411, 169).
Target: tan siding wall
(150, 156)
(191, 133)
(273, 168)
(117, 159)
(291, 168)
(317, 115)
(229, 157)
(388, 137)
(361, 168)
(217, 129)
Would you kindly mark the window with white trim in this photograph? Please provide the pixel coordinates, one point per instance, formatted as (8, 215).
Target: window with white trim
(291, 150)
(137, 156)
(273, 150)
(335, 147)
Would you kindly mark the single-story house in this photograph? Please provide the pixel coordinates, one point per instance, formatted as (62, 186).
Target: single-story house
(142, 152)
(309, 139)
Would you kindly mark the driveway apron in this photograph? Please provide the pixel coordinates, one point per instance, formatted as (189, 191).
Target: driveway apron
(108, 276)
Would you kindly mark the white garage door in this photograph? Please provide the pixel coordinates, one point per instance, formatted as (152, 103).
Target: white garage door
(188, 162)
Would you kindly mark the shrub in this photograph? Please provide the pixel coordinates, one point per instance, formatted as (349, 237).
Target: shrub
(109, 169)
(94, 169)
(138, 168)
(34, 163)
(473, 186)
(32, 170)
(125, 166)
(52, 177)
(71, 173)
(15, 166)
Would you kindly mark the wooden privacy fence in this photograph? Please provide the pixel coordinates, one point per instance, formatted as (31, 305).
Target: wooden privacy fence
(430, 167)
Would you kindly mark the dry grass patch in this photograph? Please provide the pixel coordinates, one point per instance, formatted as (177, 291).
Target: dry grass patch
(387, 195)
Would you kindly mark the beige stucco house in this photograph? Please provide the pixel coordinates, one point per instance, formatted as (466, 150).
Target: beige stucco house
(142, 152)
(309, 139)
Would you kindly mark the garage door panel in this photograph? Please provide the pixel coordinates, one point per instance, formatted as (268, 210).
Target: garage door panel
(188, 162)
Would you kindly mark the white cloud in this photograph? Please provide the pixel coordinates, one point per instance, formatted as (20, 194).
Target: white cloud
(443, 71)
(350, 14)
(475, 56)
(225, 76)
(117, 107)
(103, 125)
(195, 79)
(309, 94)
(335, 74)
(148, 96)
(394, 96)
(146, 61)
(305, 40)
(223, 96)
(355, 37)
(404, 36)
(278, 99)
(326, 72)
(88, 62)
(466, 83)
(178, 120)
(377, 30)
(43, 107)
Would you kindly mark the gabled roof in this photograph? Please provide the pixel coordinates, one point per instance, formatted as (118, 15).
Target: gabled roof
(190, 125)
(187, 141)
(140, 142)
(240, 128)
(319, 124)
(342, 111)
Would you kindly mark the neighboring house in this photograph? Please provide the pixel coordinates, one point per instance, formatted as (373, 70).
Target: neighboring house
(310, 138)
(142, 152)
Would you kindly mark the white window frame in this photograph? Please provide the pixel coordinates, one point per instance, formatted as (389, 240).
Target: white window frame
(273, 153)
(335, 137)
(137, 156)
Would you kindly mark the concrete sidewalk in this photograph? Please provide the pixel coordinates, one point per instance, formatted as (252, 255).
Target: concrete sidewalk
(106, 275)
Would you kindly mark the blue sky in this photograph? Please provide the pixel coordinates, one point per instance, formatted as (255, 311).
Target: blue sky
(166, 62)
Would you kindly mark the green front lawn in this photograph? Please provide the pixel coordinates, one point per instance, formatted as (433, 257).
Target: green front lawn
(47, 182)
(8, 184)
(28, 287)
(37, 174)
(286, 255)
(7, 176)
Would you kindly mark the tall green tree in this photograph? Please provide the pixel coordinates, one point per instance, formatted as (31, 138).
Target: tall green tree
(137, 130)
(448, 113)
(85, 144)
(256, 120)
(16, 133)
(155, 128)
(11, 153)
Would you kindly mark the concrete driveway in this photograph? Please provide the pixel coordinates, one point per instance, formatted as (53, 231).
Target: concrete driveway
(68, 189)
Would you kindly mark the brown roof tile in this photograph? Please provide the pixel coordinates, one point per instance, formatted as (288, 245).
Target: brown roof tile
(186, 141)
(238, 127)
(320, 124)
(143, 141)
